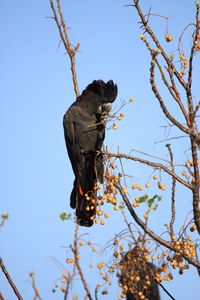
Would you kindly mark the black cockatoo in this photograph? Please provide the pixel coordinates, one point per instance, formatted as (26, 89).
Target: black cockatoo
(84, 131)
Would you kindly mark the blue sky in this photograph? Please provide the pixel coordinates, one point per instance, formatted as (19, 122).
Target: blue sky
(36, 89)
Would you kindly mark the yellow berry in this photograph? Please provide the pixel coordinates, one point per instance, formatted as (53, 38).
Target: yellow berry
(116, 254)
(135, 186)
(193, 228)
(168, 38)
(4, 216)
(183, 57)
(198, 47)
(137, 278)
(142, 37)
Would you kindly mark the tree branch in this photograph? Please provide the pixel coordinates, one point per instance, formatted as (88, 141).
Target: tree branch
(158, 96)
(173, 192)
(151, 164)
(36, 290)
(149, 231)
(158, 45)
(1, 296)
(76, 258)
(66, 42)
(4, 270)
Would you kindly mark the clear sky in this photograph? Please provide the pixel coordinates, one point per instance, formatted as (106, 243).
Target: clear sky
(36, 89)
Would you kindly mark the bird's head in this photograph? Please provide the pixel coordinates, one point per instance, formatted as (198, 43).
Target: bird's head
(107, 91)
(98, 96)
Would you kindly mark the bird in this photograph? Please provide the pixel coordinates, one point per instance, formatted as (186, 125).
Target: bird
(84, 132)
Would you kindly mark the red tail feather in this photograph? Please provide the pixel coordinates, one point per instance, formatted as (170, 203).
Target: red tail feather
(80, 190)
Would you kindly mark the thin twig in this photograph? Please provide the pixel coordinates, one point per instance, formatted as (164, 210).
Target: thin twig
(128, 225)
(173, 90)
(96, 292)
(148, 230)
(170, 64)
(66, 42)
(152, 156)
(36, 290)
(162, 104)
(173, 192)
(165, 290)
(151, 164)
(70, 280)
(4, 270)
(182, 33)
(76, 258)
(169, 139)
(67, 288)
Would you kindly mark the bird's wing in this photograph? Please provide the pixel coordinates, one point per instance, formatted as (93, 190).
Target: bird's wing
(69, 131)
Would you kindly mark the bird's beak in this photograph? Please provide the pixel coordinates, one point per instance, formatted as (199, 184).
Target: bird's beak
(105, 108)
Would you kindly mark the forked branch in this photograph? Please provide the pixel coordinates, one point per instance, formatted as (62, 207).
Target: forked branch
(71, 51)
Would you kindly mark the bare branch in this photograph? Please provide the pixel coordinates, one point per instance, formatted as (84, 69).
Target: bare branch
(173, 192)
(193, 48)
(35, 288)
(195, 111)
(158, 45)
(169, 139)
(149, 231)
(76, 258)
(4, 270)
(66, 42)
(1, 296)
(158, 96)
(151, 164)
(173, 89)
(152, 156)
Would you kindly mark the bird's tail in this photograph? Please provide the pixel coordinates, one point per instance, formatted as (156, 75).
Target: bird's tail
(83, 196)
